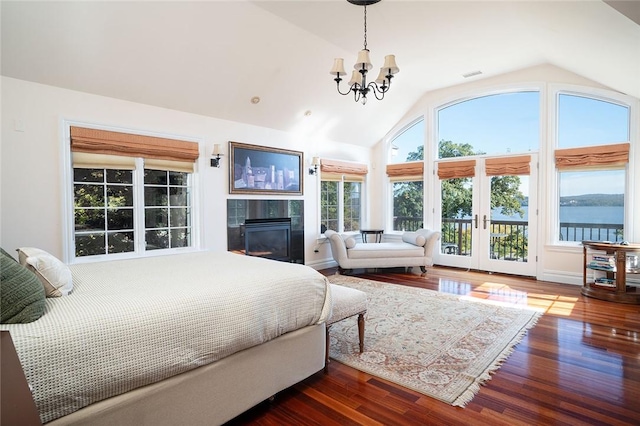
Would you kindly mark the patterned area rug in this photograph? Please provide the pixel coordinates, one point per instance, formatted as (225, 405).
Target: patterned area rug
(441, 345)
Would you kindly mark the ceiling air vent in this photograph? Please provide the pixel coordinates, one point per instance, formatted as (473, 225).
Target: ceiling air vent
(471, 74)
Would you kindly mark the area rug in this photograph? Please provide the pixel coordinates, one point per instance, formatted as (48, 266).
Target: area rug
(441, 345)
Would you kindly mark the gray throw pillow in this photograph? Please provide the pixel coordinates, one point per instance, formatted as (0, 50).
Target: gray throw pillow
(22, 296)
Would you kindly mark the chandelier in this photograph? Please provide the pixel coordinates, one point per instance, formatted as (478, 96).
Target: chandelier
(358, 83)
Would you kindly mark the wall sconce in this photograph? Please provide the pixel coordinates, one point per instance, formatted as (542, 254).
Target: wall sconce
(215, 162)
(315, 163)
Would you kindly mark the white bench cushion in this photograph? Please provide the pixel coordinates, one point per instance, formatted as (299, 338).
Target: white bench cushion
(384, 251)
(347, 302)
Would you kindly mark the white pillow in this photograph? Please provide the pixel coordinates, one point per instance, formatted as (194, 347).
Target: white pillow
(350, 242)
(414, 238)
(54, 275)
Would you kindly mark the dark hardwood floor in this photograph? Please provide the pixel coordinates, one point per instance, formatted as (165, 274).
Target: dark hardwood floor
(579, 365)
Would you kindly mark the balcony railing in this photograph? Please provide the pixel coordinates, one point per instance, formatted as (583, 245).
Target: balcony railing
(509, 239)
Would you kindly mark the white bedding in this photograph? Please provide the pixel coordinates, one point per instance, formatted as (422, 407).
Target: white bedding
(130, 323)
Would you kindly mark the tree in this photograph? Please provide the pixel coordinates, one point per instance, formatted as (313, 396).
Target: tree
(408, 199)
(456, 193)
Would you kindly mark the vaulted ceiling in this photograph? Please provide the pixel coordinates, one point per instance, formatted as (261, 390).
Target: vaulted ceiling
(210, 58)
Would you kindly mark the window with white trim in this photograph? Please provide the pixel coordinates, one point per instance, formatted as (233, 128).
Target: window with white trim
(341, 195)
(405, 171)
(593, 139)
(129, 204)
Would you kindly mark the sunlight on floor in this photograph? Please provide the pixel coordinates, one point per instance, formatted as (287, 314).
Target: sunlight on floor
(549, 303)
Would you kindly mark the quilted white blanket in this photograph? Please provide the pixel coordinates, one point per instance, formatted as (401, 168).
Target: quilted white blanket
(130, 323)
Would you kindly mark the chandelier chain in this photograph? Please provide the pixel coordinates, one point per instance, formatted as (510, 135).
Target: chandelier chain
(365, 27)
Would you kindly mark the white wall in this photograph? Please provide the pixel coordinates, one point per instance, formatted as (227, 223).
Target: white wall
(555, 263)
(31, 160)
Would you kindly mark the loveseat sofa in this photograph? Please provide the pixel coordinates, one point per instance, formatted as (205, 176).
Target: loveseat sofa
(415, 249)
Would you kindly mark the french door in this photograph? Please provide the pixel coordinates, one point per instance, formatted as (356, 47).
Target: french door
(488, 212)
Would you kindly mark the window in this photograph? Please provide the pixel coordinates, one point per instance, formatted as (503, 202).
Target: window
(408, 145)
(591, 164)
(103, 211)
(129, 204)
(494, 124)
(405, 172)
(340, 206)
(584, 121)
(341, 191)
(167, 209)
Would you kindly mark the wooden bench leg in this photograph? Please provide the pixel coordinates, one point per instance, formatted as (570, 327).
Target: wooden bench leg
(326, 355)
(361, 331)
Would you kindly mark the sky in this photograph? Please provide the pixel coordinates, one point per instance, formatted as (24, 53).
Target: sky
(510, 123)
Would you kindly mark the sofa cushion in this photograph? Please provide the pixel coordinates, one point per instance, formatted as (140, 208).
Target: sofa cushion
(414, 238)
(384, 250)
(350, 242)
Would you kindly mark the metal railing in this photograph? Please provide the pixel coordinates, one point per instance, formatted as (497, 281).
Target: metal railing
(406, 223)
(509, 239)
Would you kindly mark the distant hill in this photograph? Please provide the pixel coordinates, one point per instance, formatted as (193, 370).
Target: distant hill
(593, 200)
(589, 200)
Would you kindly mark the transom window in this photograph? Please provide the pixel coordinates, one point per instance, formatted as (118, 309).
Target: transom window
(494, 124)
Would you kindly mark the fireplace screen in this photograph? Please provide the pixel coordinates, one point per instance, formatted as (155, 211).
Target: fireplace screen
(269, 238)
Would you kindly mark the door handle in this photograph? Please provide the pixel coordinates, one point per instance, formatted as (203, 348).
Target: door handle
(475, 219)
(484, 221)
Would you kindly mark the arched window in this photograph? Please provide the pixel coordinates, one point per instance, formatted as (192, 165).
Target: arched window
(405, 171)
(493, 124)
(591, 161)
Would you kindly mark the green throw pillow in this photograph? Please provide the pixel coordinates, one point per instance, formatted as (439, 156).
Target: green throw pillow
(22, 296)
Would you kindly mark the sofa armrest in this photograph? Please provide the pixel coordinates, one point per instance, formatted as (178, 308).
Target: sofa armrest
(338, 246)
(431, 237)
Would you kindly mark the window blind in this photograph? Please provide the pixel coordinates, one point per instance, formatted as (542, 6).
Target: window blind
(125, 144)
(511, 166)
(592, 156)
(456, 169)
(406, 171)
(342, 171)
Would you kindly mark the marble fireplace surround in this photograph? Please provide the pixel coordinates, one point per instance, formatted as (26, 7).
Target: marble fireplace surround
(240, 209)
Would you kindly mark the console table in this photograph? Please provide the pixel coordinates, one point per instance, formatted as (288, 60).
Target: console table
(610, 264)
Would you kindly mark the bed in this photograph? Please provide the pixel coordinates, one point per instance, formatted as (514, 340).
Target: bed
(194, 338)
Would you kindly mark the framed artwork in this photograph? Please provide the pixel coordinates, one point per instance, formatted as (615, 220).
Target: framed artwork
(257, 169)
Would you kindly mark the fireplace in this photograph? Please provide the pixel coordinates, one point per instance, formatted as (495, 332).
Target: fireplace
(241, 212)
(269, 238)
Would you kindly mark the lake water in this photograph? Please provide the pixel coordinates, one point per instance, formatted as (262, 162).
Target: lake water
(578, 214)
(582, 214)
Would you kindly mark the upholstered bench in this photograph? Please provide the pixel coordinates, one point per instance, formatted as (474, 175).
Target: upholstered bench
(347, 302)
(414, 249)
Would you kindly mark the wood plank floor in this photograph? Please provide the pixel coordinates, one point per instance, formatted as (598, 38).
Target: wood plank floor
(580, 365)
